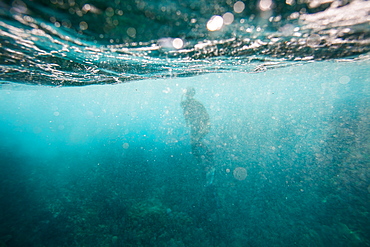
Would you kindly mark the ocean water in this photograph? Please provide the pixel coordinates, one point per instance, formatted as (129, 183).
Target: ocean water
(95, 147)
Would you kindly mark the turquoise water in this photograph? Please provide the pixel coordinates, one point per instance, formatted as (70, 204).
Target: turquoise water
(95, 150)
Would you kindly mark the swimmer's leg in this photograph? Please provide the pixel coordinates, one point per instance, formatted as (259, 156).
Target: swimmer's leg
(196, 150)
(208, 153)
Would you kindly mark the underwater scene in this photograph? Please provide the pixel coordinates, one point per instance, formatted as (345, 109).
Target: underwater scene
(184, 123)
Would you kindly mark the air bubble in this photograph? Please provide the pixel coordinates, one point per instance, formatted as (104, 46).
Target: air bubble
(239, 7)
(215, 23)
(131, 32)
(265, 5)
(344, 79)
(240, 173)
(228, 18)
(178, 43)
(83, 25)
(313, 40)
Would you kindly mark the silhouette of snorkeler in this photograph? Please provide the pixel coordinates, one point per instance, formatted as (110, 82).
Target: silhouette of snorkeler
(197, 118)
